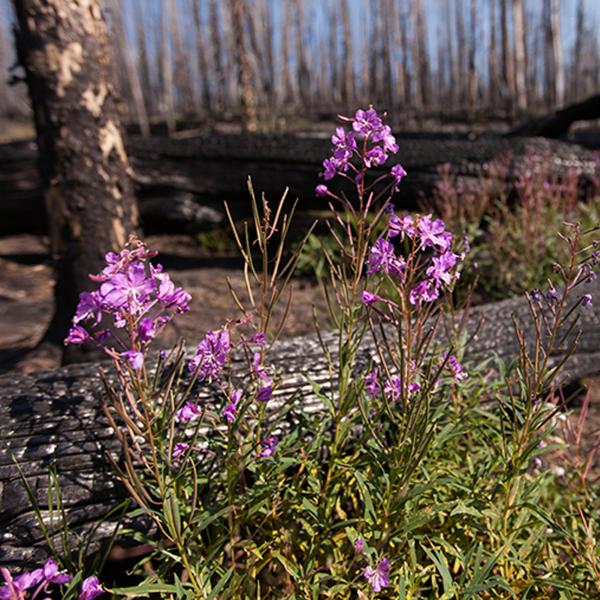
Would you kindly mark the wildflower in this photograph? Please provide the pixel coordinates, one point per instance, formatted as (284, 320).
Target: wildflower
(258, 369)
(128, 290)
(372, 383)
(425, 291)
(264, 394)
(89, 306)
(456, 368)
(402, 226)
(440, 271)
(90, 589)
(366, 121)
(179, 449)
(398, 174)
(433, 233)
(379, 577)
(382, 257)
(344, 142)
(147, 329)
(230, 410)
(536, 295)
(321, 190)
(188, 412)
(369, 298)
(393, 388)
(375, 157)
(268, 444)
(359, 546)
(53, 575)
(330, 167)
(259, 338)
(77, 335)
(384, 134)
(212, 354)
(552, 296)
(134, 358)
(586, 300)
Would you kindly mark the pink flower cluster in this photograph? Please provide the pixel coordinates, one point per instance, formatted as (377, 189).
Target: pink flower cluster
(428, 265)
(351, 159)
(134, 297)
(30, 584)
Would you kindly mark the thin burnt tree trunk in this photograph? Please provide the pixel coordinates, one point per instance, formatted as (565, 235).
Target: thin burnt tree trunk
(520, 56)
(248, 101)
(67, 55)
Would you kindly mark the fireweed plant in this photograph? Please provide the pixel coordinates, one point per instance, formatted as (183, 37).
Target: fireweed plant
(416, 478)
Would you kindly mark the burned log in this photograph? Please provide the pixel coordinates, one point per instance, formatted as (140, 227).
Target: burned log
(54, 418)
(175, 176)
(557, 123)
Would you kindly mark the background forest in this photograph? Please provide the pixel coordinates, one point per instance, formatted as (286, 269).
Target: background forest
(268, 59)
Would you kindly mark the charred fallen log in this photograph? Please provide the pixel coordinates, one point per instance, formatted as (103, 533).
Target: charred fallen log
(182, 183)
(54, 418)
(557, 123)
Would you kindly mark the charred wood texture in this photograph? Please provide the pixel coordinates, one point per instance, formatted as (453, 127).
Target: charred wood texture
(66, 51)
(557, 123)
(54, 418)
(181, 183)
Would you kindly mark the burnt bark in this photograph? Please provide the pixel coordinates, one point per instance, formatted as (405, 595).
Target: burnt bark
(67, 55)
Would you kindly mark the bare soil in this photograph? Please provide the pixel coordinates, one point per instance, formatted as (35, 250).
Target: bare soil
(26, 301)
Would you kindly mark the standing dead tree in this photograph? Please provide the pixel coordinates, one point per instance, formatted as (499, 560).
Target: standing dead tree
(67, 55)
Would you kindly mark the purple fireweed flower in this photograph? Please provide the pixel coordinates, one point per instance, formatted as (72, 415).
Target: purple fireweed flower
(372, 382)
(330, 167)
(321, 190)
(134, 358)
(264, 394)
(382, 257)
(433, 233)
(442, 265)
(456, 368)
(379, 577)
(212, 354)
(425, 291)
(89, 306)
(146, 329)
(359, 546)
(536, 295)
(259, 338)
(414, 387)
(586, 301)
(259, 369)
(385, 135)
(230, 410)
(14, 589)
(344, 141)
(53, 575)
(167, 294)
(268, 446)
(179, 449)
(375, 157)
(398, 174)
(90, 589)
(366, 121)
(393, 388)
(129, 291)
(402, 226)
(552, 296)
(77, 335)
(188, 412)
(369, 298)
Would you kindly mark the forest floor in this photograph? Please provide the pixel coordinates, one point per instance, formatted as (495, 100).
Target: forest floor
(26, 296)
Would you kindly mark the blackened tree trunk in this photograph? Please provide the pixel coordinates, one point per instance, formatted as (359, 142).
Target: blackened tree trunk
(66, 51)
